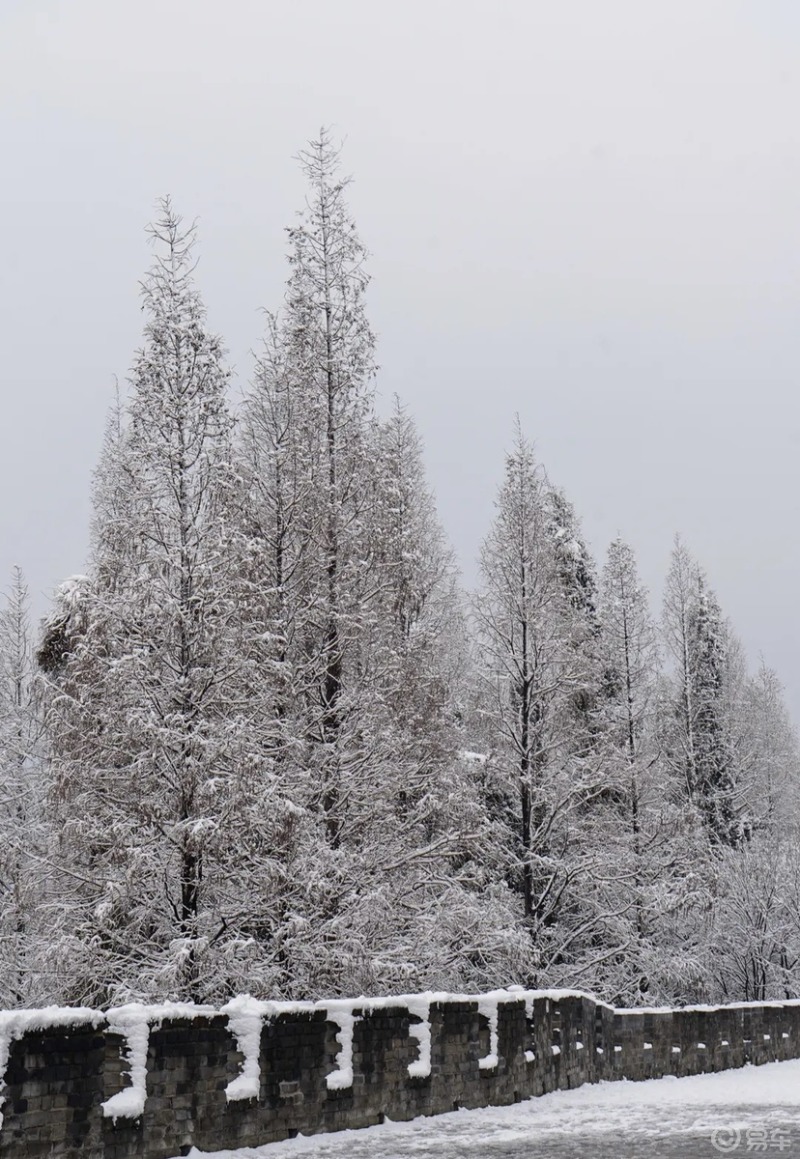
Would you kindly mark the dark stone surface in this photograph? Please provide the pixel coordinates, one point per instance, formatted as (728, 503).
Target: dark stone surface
(57, 1079)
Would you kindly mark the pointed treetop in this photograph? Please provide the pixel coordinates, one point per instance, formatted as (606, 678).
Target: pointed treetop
(320, 161)
(168, 286)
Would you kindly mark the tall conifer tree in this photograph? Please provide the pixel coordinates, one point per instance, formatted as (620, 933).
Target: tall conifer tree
(149, 745)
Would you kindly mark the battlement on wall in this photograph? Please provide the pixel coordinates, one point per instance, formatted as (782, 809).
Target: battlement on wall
(153, 1081)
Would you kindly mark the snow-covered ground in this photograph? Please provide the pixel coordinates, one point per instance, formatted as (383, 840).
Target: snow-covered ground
(755, 1110)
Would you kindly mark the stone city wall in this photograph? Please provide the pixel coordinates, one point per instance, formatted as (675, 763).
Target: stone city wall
(154, 1081)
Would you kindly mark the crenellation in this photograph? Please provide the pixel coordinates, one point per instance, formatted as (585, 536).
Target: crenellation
(58, 1077)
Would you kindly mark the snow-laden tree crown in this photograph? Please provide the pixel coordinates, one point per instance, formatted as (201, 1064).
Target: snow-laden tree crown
(267, 744)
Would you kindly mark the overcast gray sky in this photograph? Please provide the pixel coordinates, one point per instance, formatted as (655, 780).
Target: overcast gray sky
(585, 211)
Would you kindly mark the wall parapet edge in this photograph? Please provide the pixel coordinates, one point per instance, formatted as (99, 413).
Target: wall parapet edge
(153, 1081)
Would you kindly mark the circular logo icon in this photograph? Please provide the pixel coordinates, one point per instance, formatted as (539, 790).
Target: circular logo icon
(725, 1139)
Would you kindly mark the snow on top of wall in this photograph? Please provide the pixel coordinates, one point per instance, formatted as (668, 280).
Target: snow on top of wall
(488, 1008)
(420, 1008)
(246, 1016)
(133, 1022)
(245, 1020)
(15, 1023)
(134, 1025)
(342, 1077)
(701, 1008)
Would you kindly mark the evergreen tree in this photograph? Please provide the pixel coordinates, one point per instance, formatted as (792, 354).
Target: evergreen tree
(680, 599)
(575, 565)
(700, 739)
(714, 785)
(530, 640)
(416, 639)
(22, 830)
(755, 930)
(352, 597)
(773, 755)
(144, 657)
(306, 458)
(333, 358)
(285, 759)
(640, 822)
(577, 574)
(523, 656)
(630, 653)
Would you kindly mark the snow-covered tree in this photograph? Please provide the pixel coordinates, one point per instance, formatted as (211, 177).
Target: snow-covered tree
(333, 356)
(700, 737)
(415, 644)
(772, 754)
(351, 595)
(22, 829)
(305, 455)
(714, 786)
(145, 657)
(529, 639)
(285, 758)
(630, 654)
(577, 573)
(755, 933)
(641, 821)
(523, 652)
